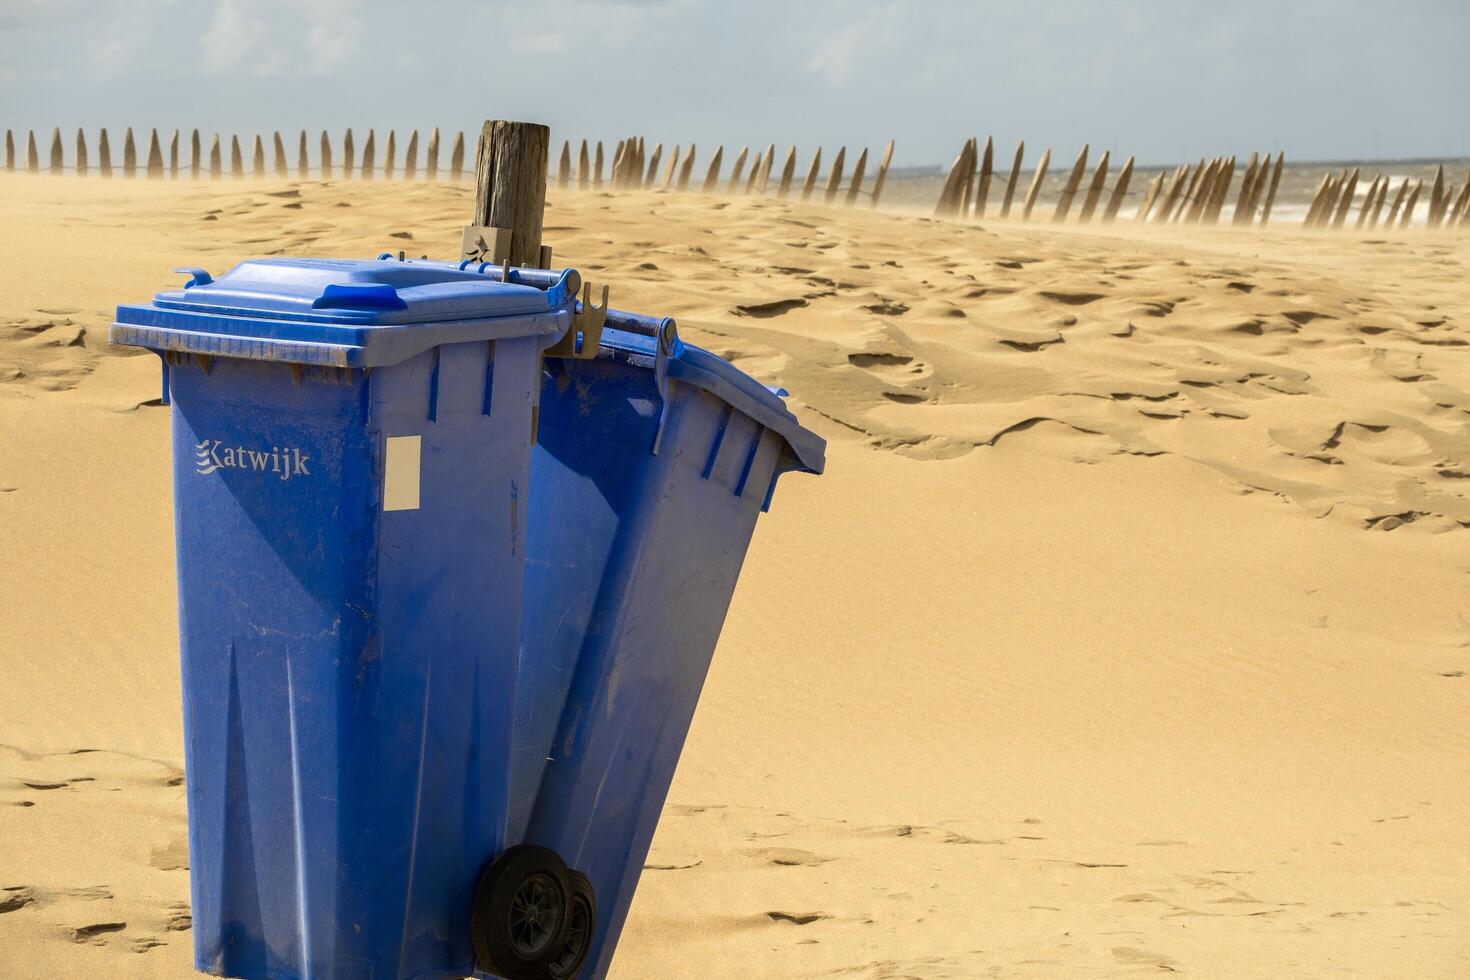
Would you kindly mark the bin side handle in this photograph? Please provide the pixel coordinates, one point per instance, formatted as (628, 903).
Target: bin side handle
(666, 346)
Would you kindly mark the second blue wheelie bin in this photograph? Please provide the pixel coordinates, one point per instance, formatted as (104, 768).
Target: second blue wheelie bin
(654, 459)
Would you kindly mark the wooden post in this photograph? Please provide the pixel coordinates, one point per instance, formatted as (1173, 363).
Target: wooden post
(1174, 193)
(1318, 198)
(81, 164)
(1120, 191)
(856, 186)
(687, 169)
(1244, 211)
(390, 154)
(584, 168)
(1276, 182)
(1378, 205)
(510, 185)
(834, 178)
(456, 157)
(303, 168)
(1069, 190)
(1036, 181)
(564, 166)
(1346, 200)
(597, 167)
(788, 174)
(755, 173)
(1368, 200)
(617, 164)
(737, 170)
(258, 157)
(1014, 180)
(987, 166)
(1094, 191)
(1203, 191)
(278, 146)
(411, 156)
(967, 180)
(173, 155)
(368, 154)
(1191, 189)
(1436, 198)
(1149, 197)
(326, 161)
(1457, 210)
(155, 156)
(130, 155)
(712, 175)
(650, 174)
(104, 155)
(767, 163)
(670, 169)
(431, 166)
(237, 159)
(10, 152)
(953, 191)
(1221, 191)
(349, 154)
(56, 157)
(1398, 202)
(811, 175)
(882, 173)
(1409, 204)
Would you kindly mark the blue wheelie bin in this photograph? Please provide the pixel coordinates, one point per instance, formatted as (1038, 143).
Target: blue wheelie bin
(351, 454)
(653, 460)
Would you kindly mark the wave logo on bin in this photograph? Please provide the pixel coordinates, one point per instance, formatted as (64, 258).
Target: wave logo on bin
(212, 455)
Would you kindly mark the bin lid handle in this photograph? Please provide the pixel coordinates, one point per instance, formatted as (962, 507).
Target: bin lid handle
(350, 295)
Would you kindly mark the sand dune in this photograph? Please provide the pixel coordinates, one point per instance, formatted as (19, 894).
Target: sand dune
(1128, 632)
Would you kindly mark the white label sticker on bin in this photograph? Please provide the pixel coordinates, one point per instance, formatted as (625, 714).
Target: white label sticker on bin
(401, 473)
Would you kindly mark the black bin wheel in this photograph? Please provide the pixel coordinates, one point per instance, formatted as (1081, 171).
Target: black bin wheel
(520, 919)
(581, 925)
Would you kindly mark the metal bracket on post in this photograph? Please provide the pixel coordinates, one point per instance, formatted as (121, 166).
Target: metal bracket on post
(587, 320)
(479, 243)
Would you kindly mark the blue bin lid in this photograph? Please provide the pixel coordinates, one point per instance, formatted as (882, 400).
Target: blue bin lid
(343, 312)
(698, 367)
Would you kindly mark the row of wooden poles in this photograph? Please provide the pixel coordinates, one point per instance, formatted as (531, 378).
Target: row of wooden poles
(198, 164)
(1189, 194)
(630, 167)
(1335, 195)
(634, 169)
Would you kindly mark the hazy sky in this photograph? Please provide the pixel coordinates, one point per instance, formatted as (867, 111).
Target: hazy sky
(1164, 80)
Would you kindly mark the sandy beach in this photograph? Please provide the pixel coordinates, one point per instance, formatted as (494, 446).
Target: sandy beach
(1128, 632)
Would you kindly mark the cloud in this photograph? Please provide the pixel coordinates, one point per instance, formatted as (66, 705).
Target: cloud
(838, 56)
(266, 38)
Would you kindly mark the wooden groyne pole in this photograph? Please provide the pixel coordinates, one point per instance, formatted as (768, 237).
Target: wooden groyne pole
(1271, 191)
(788, 174)
(1345, 200)
(856, 187)
(834, 179)
(737, 171)
(1120, 191)
(510, 186)
(1149, 197)
(982, 191)
(1069, 190)
(431, 158)
(882, 173)
(712, 176)
(1014, 180)
(104, 155)
(1036, 181)
(81, 163)
(811, 175)
(456, 157)
(1095, 189)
